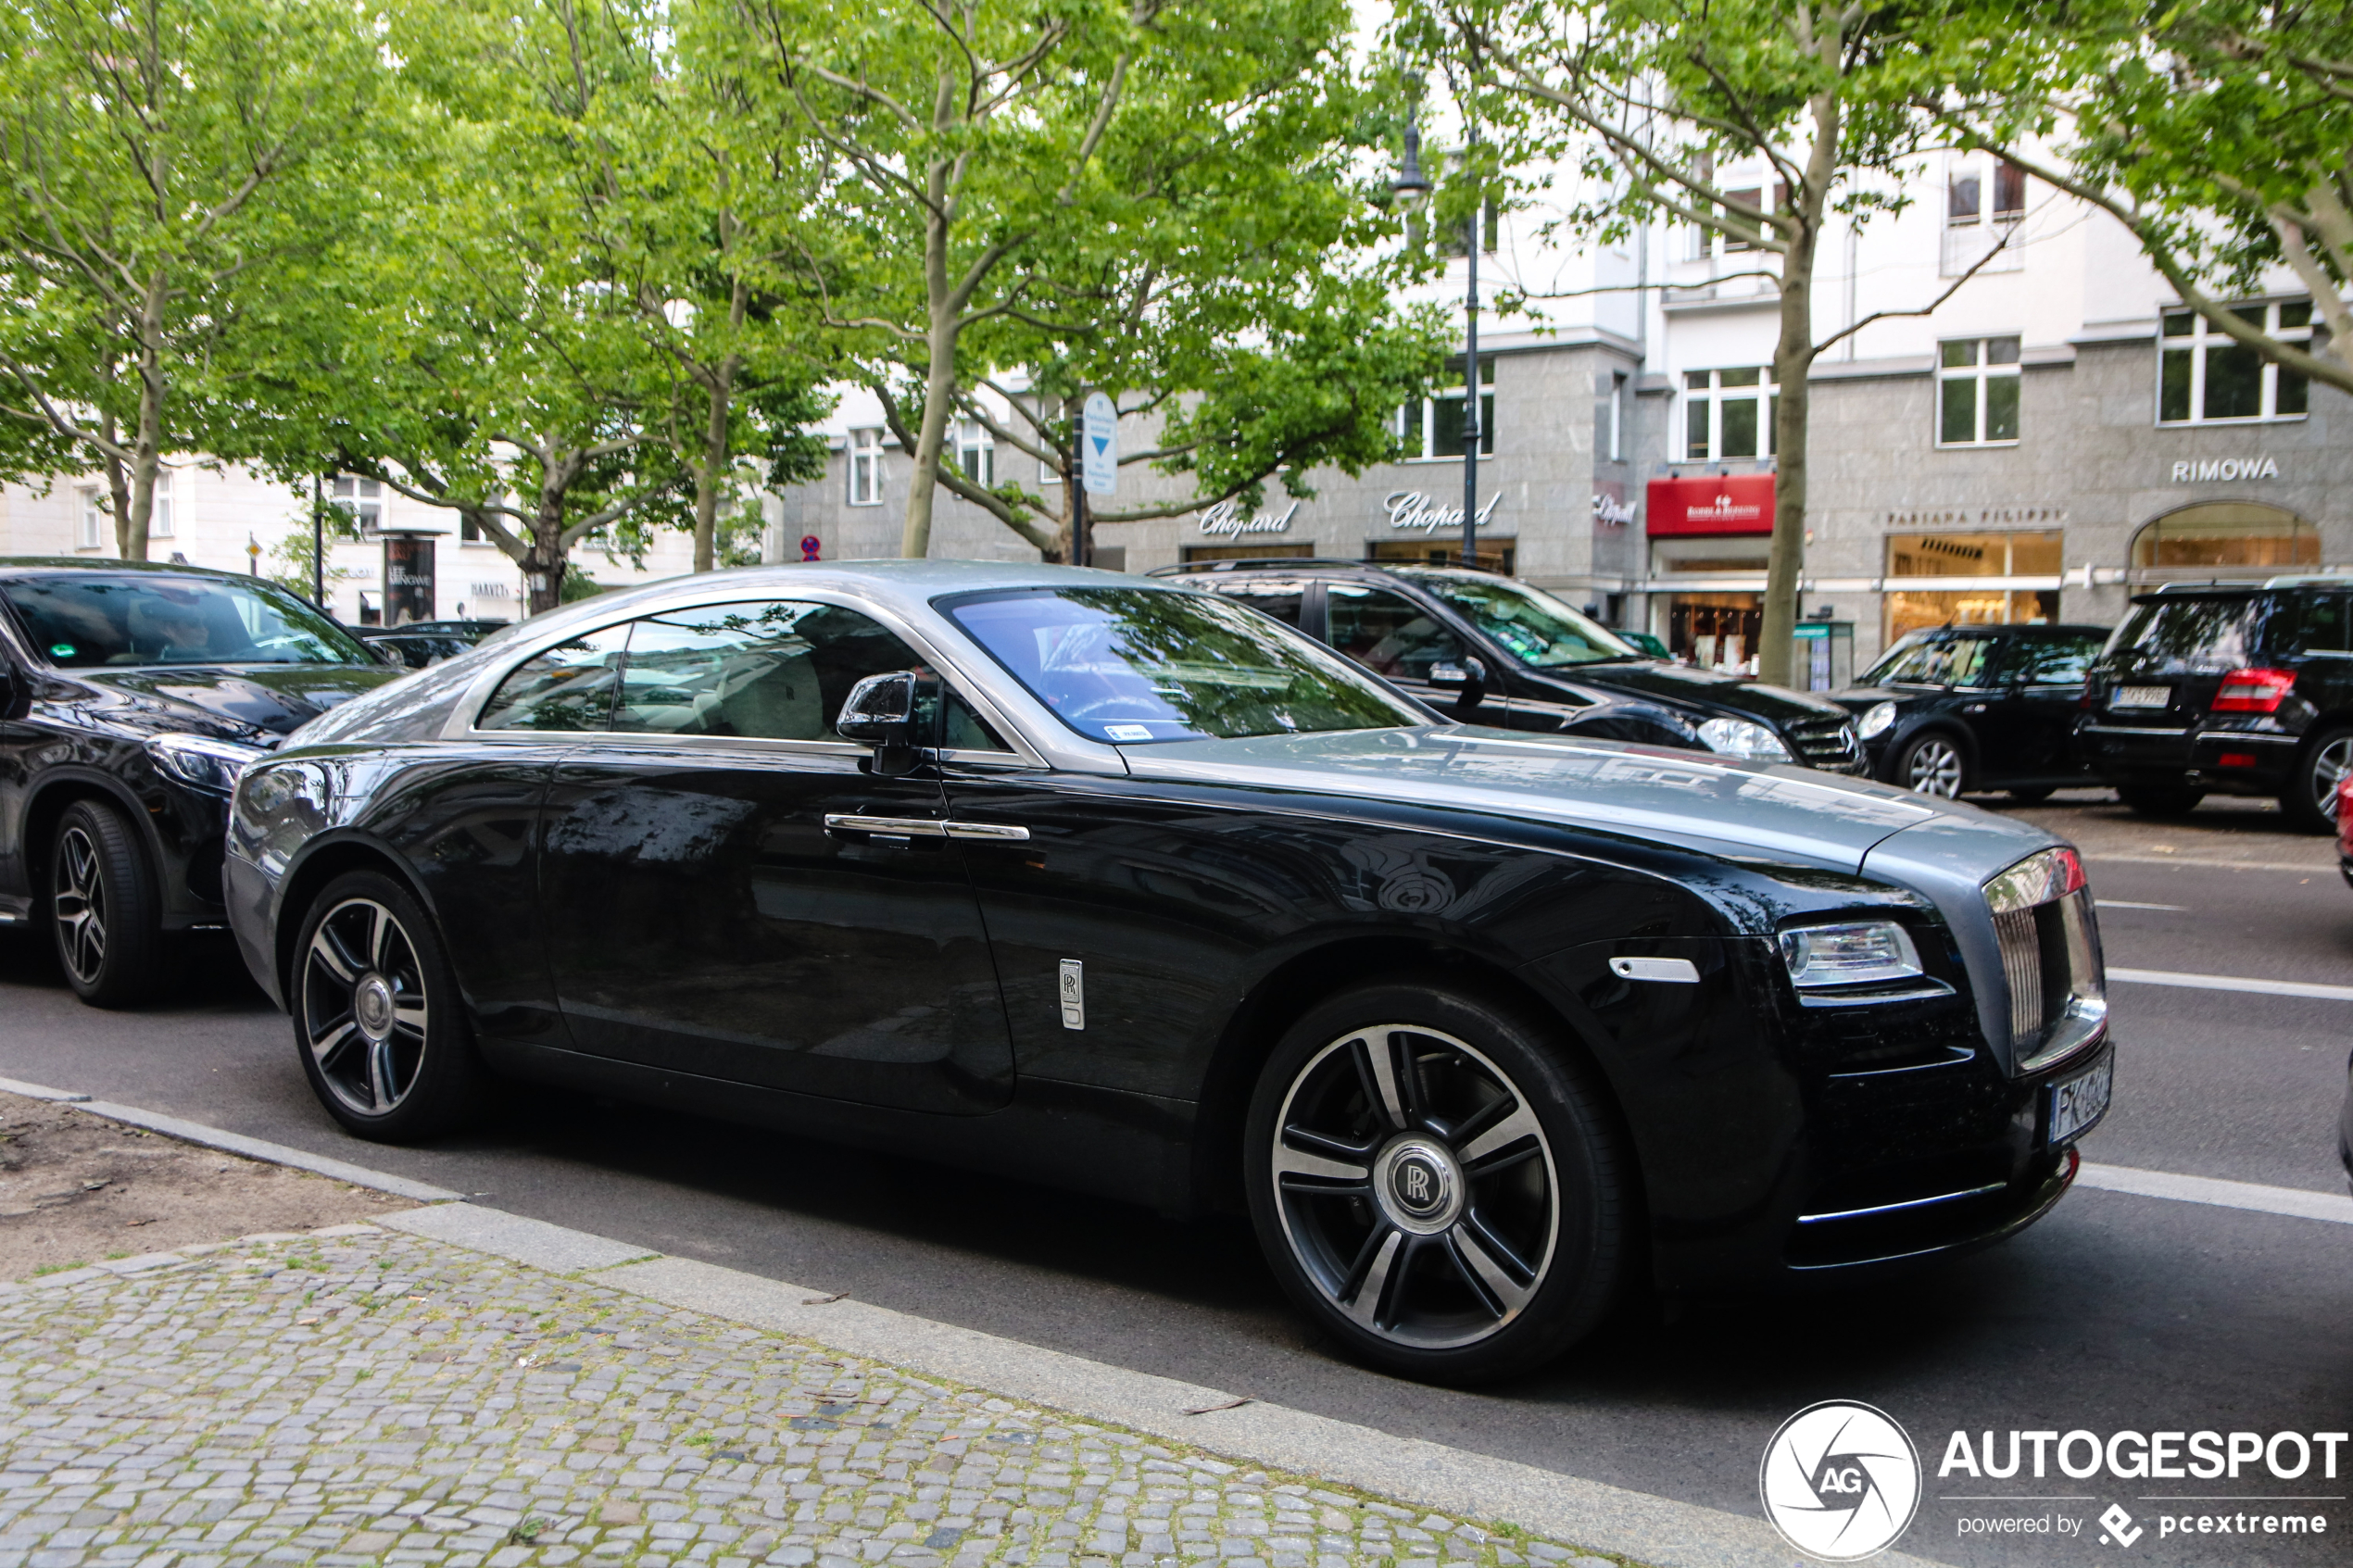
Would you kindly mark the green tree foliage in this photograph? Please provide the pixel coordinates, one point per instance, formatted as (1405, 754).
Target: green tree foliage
(1649, 98)
(166, 169)
(2219, 131)
(1147, 196)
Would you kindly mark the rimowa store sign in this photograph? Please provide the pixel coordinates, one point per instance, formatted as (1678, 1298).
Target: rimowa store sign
(1717, 503)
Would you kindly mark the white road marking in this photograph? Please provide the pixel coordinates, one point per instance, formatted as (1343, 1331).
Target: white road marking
(2233, 983)
(2127, 904)
(2296, 1202)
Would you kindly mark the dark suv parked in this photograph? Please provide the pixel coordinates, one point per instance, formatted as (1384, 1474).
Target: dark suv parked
(1489, 650)
(1965, 708)
(2209, 689)
(131, 696)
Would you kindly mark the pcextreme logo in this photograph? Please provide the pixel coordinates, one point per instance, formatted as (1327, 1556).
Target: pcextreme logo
(1839, 1481)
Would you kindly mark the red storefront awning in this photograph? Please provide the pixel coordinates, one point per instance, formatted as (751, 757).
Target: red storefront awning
(1731, 504)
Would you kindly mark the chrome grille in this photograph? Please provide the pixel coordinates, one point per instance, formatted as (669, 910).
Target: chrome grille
(2020, 933)
(1829, 743)
(2051, 961)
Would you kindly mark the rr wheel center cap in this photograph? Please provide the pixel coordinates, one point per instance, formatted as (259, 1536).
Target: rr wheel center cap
(372, 1006)
(1418, 1183)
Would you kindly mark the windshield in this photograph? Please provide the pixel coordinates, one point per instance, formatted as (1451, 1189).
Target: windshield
(1957, 662)
(1531, 625)
(2220, 633)
(106, 618)
(1128, 665)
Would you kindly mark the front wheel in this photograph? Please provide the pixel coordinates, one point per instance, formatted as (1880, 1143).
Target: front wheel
(377, 1015)
(1435, 1184)
(105, 909)
(2311, 800)
(1932, 764)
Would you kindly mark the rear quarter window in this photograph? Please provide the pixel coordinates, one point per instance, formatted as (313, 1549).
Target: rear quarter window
(2194, 634)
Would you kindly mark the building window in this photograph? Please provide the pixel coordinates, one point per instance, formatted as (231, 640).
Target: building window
(1977, 386)
(1434, 429)
(92, 519)
(865, 467)
(1612, 442)
(362, 498)
(1712, 241)
(975, 452)
(1995, 580)
(2204, 378)
(1984, 203)
(2223, 538)
(1490, 224)
(1728, 414)
(160, 512)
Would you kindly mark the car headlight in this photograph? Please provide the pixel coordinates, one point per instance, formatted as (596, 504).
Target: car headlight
(1738, 737)
(1858, 953)
(1876, 719)
(202, 761)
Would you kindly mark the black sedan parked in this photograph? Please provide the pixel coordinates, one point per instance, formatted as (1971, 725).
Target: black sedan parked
(1972, 708)
(422, 643)
(130, 694)
(1489, 650)
(1125, 887)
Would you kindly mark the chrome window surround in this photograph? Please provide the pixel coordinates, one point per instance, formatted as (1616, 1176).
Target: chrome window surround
(1006, 711)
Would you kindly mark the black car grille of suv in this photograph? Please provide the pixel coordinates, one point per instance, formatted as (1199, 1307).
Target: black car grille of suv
(2051, 959)
(1829, 743)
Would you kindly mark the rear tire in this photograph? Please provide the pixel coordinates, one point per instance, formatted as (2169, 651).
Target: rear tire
(104, 909)
(377, 1016)
(2155, 800)
(2309, 799)
(1436, 1184)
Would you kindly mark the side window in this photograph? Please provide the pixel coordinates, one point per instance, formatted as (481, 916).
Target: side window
(2054, 661)
(1386, 633)
(762, 669)
(568, 687)
(1280, 598)
(2322, 628)
(960, 728)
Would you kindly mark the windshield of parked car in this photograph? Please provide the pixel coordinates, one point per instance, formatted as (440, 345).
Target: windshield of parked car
(88, 620)
(1957, 661)
(1130, 665)
(2219, 634)
(1531, 625)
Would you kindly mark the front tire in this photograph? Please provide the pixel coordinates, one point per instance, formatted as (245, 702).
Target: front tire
(1436, 1184)
(2311, 800)
(377, 1016)
(1932, 763)
(105, 909)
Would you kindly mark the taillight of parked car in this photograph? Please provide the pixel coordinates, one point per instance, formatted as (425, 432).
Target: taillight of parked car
(2253, 691)
(2345, 815)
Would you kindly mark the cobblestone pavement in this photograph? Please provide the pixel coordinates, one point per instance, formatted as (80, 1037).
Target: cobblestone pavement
(358, 1395)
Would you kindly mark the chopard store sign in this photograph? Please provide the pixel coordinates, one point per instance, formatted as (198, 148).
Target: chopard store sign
(1412, 509)
(1227, 518)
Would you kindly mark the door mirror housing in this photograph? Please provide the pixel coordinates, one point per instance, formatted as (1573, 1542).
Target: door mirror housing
(880, 710)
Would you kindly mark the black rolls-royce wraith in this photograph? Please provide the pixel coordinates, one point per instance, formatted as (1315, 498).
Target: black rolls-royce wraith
(1124, 886)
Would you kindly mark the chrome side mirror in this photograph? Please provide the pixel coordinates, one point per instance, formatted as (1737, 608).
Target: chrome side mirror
(879, 711)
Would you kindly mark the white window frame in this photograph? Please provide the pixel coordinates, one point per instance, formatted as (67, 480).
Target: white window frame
(1618, 384)
(1980, 370)
(363, 498)
(865, 467)
(1967, 235)
(1766, 393)
(2202, 337)
(1417, 427)
(90, 520)
(975, 452)
(163, 510)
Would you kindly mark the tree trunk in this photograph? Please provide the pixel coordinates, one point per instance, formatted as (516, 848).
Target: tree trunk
(711, 468)
(545, 566)
(939, 381)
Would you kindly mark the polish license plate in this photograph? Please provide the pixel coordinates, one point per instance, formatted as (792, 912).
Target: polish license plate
(2080, 1101)
(2142, 696)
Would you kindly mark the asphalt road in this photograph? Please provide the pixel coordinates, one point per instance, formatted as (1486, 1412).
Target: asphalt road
(2117, 1313)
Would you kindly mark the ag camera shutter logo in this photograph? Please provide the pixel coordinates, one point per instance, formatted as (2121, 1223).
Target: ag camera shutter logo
(1839, 1481)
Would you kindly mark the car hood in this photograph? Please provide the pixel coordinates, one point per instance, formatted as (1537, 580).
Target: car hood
(246, 698)
(1733, 809)
(1729, 695)
(1859, 699)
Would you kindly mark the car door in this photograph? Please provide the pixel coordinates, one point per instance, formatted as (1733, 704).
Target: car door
(731, 890)
(2028, 731)
(1405, 641)
(18, 738)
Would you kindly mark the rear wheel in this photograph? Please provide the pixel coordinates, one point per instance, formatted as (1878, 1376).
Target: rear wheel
(1435, 1184)
(1933, 764)
(105, 909)
(376, 1012)
(2310, 799)
(2166, 800)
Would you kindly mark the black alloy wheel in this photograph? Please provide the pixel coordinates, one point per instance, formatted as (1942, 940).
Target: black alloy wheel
(1435, 1184)
(1932, 763)
(2160, 800)
(104, 909)
(2309, 802)
(377, 1014)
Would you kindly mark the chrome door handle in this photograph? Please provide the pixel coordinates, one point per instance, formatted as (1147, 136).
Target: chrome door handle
(922, 827)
